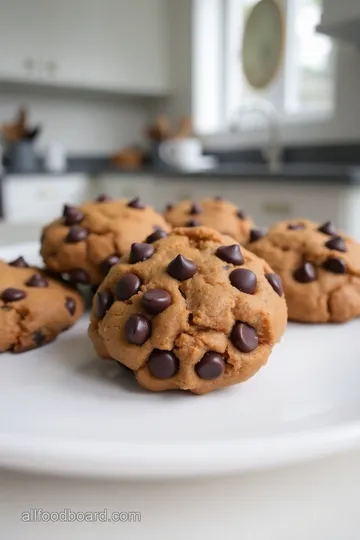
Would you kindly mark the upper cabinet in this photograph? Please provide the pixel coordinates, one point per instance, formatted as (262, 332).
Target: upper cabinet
(112, 45)
(341, 20)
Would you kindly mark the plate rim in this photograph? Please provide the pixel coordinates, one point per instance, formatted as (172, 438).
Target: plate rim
(168, 461)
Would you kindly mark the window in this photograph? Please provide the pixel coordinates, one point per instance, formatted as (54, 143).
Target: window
(304, 87)
(309, 63)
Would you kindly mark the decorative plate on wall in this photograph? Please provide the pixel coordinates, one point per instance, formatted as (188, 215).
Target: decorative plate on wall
(263, 43)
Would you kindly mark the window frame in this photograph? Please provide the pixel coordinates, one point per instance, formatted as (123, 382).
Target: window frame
(222, 102)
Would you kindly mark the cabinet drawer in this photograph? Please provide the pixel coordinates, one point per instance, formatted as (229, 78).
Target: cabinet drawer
(40, 199)
(123, 186)
(269, 202)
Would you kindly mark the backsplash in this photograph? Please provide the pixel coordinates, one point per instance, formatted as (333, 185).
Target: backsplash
(83, 123)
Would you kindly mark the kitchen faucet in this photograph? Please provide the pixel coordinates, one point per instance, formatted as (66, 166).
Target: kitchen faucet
(272, 152)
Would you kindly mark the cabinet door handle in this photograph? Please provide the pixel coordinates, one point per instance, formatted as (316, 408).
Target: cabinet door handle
(29, 65)
(279, 209)
(50, 68)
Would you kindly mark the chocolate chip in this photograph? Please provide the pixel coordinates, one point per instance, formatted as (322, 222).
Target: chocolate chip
(296, 226)
(103, 302)
(140, 252)
(195, 209)
(157, 235)
(76, 234)
(335, 265)
(240, 214)
(72, 215)
(244, 280)
(39, 338)
(337, 244)
(169, 207)
(244, 337)
(193, 223)
(108, 263)
(135, 203)
(328, 228)
(156, 300)
(78, 276)
(218, 198)
(163, 364)
(231, 254)
(211, 366)
(276, 283)
(127, 286)
(138, 329)
(19, 263)
(181, 268)
(103, 197)
(256, 234)
(12, 295)
(306, 273)
(70, 305)
(37, 280)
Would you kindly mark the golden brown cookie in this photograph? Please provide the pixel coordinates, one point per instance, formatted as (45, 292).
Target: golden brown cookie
(87, 240)
(319, 268)
(199, 313)
(216, 213)
(34, 308)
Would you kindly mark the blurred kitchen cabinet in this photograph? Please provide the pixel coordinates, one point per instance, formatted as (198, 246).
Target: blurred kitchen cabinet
(173, 189)
(127, 186)
(270, 201)
(341, 20)
(23, 38)
(113, 45)
(40, 198)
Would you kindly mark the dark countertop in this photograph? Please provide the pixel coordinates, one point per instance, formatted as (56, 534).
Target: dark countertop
(312, 172)
(333, 163)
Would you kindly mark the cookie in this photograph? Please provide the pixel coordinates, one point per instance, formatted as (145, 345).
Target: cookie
(34, 308)
(86, 241)
(216, 213)
(319, 268)
(199, 313)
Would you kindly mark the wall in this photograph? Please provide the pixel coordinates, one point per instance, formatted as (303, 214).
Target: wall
(83, 123)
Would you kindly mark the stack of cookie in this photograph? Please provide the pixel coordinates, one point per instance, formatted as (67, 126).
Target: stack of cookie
(191, 300)
(79, 248)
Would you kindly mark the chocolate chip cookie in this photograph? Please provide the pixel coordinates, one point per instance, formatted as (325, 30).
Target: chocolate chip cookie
(216, 213)
(34, 308)
(190, 311)
(319, 268)
(88, 240)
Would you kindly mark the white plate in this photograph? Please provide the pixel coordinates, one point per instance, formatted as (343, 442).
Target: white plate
(64, 411)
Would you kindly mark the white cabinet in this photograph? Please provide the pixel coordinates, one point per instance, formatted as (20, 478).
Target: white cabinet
(341, 20)
(270, 201)
(123, 186)
(173, 189)
(23, 35)
(115, 45)
(38, 199)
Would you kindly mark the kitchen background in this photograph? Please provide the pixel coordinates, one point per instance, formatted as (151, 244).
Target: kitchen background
(124, 96)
